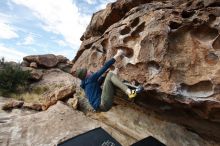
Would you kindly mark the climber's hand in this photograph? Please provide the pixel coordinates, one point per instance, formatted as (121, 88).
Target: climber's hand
(119, 53)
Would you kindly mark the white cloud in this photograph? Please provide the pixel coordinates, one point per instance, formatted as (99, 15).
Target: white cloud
(33, 49)
(90, 1)
(101, 6)
(61, 43)
(60, 17)
(10, 54)
(28, 40)
(7, 31)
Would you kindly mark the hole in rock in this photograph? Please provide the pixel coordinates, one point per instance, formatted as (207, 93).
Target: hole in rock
(88, 46)
(201, 89)
(135, 22)
(150, 99)
(212, 17)
(152, 85)
(187, 14)
(197, 21)
(104, 44)
(189, 4)
(153, 67)
(216, 43)
(129, 38)
(167, 7)
(212, 58)
(204, 33)
(174, 25)
(101, 50)
(128, 51)
(175, 13)
(125, 30)
(215, 4)
(139, 29)
(200, 4)
(93, 47)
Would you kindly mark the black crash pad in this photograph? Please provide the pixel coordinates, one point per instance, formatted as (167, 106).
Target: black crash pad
(95, 137)
(149, 141)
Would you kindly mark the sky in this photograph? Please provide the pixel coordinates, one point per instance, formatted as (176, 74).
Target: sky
(34, 27)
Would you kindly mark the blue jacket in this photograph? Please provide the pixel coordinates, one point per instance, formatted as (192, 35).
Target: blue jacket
(92, 85)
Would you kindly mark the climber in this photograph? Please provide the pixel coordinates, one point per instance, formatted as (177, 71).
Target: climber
(102, 99)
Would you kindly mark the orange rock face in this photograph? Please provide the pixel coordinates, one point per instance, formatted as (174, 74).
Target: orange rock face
(174, 50)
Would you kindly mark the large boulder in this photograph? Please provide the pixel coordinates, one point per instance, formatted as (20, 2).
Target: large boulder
(47, 60)
(59, 94)
(60, 122)
(55, 85)
(173, 49)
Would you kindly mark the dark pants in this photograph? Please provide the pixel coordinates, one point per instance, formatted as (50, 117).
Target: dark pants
(108, 90)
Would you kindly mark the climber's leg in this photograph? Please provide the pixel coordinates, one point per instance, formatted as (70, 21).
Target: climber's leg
(108, 92)
(117, 82)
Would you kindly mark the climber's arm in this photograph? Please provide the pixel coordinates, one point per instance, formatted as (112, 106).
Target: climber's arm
(106, 66)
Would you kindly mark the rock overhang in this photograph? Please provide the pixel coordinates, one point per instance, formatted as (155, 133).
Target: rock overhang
(174, 53)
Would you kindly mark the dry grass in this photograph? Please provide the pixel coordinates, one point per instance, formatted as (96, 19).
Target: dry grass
(40, 89)
(33, 96)
(28, 97)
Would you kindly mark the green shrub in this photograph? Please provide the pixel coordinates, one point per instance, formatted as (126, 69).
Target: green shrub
(2, 61)
(12, 77)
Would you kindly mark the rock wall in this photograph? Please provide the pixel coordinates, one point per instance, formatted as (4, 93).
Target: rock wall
(173, 49)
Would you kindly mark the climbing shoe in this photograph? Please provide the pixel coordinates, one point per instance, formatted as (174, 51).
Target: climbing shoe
(132, 94)
(136, 91)
(139, 89)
